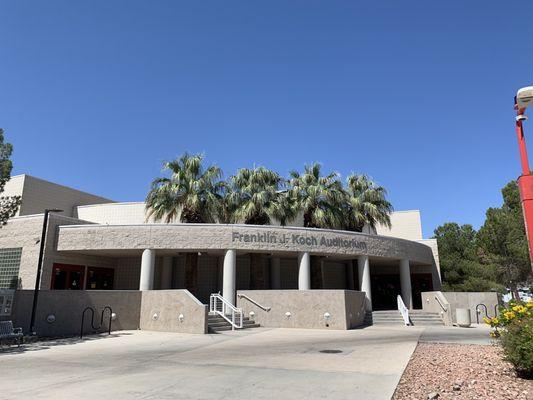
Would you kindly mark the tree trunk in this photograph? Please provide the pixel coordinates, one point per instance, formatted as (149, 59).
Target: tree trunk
(257, 272)
(191, 273)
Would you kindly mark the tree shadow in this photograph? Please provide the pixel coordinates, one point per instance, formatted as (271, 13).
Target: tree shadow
(37, 344)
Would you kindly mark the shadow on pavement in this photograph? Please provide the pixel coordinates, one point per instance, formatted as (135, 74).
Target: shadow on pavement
(48, 343)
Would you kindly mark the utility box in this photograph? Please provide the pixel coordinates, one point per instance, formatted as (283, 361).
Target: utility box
(6, 302)
(463, 317)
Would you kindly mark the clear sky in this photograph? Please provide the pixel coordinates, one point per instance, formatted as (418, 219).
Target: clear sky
(418, 95)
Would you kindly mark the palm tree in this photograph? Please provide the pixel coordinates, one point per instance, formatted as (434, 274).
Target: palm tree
(255, 199)
(319, 197)
(285, 209)
(366, 204)
(254, 195)
(191, 194)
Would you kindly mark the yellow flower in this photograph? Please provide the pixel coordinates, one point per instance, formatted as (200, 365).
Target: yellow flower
(509, 315)
(486, 320)
(519, 309)
(529, 304)
(495, 321)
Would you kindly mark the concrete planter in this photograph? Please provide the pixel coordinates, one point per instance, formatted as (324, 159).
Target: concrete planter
(463, 317)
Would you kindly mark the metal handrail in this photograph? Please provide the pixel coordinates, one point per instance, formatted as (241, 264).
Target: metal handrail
(403, 310)
(243, 296)
(219, 305)
(440, 304)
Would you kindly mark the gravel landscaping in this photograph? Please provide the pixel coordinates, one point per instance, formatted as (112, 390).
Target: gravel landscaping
(461, 371)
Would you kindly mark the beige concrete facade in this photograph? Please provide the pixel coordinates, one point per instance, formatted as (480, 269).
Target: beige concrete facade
(271, 262)
(310, 309)
(38, 194)
(157, 310)
(405, 225)
(25, 232)
(110, 239)
(172, 311)
(66, 306)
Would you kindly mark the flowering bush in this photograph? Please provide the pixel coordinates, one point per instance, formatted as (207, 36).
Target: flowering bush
(514, 328)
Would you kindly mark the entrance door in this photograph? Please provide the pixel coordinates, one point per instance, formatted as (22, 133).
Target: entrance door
(385, 289)
(420, 283)
(67, 277)
(99, 278)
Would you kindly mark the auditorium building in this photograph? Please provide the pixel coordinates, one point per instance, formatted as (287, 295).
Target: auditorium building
(96, 244)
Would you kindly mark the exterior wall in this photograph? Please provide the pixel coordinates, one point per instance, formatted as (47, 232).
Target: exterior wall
(127, 273)
(168, 305)
(14, 187)
(67, 306)
(204, 237)
(432, 243)
(307, 308)
(38, 194)
(405, 225)
(470, 300)
(333, 275)
(114, 213)
(435, 302)
(25, 232)
(457, 300)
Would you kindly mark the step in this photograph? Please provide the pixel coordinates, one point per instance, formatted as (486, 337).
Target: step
(245, 324)
(217, 319)
(228, 328)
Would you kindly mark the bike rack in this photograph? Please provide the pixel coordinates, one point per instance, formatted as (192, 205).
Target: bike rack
(91, 309)
(479, 312)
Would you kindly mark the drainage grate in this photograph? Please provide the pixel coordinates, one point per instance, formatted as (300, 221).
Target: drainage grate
(331, 351)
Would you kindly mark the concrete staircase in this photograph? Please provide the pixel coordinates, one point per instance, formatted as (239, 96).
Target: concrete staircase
(424, 318)
(387, 317)
(215, 323)
(393, 317)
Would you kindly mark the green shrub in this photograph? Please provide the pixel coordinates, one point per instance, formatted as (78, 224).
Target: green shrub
(517, 343)
(514, 327)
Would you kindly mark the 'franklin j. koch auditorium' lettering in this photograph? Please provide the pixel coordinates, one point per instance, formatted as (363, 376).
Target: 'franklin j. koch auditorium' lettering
(297, 239)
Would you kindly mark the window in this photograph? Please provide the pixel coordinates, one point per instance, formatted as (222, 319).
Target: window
(100, 278)
(67, 277)
(9, 267)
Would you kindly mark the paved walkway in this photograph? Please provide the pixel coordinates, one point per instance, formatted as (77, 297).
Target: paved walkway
(476, 334)
(259, 364)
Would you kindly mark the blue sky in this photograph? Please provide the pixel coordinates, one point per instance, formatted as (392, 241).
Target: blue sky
(417, 95)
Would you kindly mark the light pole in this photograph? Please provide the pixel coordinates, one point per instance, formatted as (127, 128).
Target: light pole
(523, 99)
(39, 269)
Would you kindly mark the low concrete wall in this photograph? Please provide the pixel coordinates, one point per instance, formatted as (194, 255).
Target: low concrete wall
(160, 311)
(471, 299)
(306, 308)
(67, 306)
(463, 300)
(134, 309)
(435, 302)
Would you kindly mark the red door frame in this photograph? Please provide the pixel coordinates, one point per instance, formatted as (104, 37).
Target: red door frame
(68, 268)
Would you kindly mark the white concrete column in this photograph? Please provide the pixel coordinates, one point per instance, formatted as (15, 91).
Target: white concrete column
(349, 275)
(363, 266)
(405, 282)
(146, 281)
(275, 273)
(228, 275)
(166, 273)
(304, 271)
